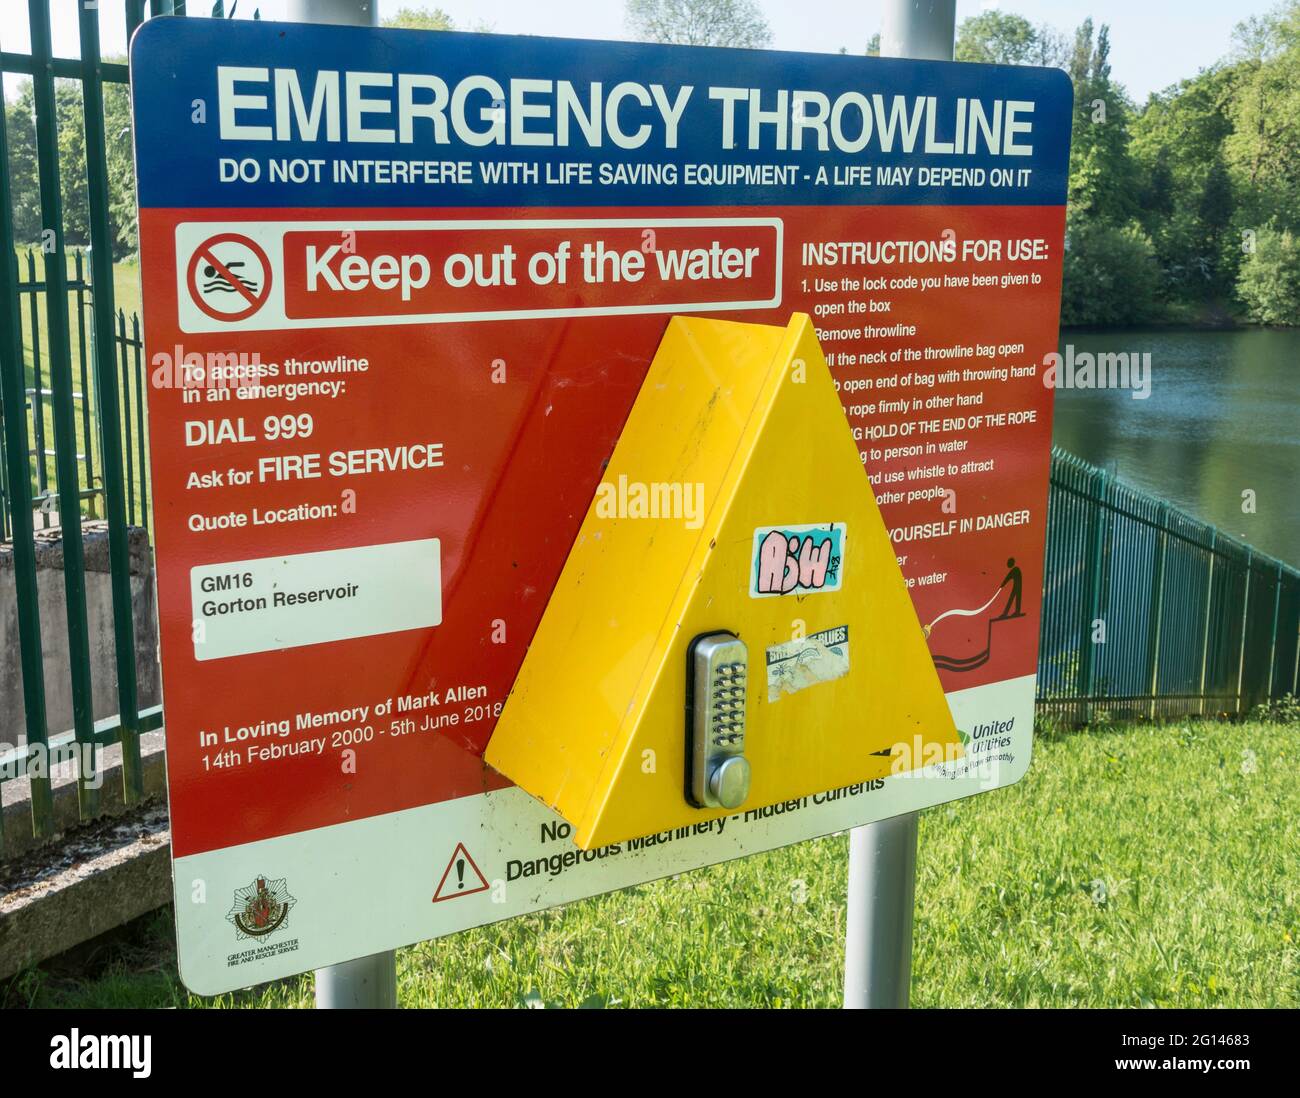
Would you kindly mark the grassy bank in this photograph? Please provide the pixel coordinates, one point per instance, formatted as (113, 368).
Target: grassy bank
(1132, 866)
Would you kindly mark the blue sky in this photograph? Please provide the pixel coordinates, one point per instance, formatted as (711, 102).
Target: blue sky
(1154, 42)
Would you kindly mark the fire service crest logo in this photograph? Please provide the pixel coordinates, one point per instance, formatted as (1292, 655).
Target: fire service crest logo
(261, 908)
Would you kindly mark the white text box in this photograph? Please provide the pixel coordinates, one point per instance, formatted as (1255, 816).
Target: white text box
(311, 598)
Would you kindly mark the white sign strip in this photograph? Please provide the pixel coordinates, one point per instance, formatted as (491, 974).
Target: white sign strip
(264, 605)
(271, 908)
(260, 306)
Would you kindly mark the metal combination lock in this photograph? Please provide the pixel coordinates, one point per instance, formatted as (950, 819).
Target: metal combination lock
(717, 682)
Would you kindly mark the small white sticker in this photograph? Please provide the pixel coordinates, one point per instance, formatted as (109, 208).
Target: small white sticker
(798, 664)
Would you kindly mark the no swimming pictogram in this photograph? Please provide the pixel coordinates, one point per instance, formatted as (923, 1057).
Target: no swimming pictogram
(229, 277)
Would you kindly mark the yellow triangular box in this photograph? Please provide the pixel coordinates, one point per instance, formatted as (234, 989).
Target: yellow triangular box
(736, 447)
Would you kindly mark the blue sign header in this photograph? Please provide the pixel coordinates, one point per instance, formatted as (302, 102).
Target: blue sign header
(254, 114)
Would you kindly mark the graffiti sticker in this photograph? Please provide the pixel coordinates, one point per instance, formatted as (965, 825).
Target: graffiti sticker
(797, 560)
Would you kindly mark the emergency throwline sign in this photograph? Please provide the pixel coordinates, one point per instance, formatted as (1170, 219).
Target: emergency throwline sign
(401, 293)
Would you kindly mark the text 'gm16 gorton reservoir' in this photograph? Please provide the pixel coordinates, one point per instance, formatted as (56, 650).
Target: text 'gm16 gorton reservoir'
(731, 628)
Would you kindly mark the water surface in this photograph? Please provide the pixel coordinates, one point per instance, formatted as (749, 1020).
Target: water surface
(1223, 417)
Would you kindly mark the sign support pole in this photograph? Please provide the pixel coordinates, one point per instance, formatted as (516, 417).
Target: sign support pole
(368, 982)
(882, 856)
(882, 882)
(351, 13)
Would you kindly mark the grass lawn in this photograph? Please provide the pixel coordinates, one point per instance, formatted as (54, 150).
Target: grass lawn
(1133, 866)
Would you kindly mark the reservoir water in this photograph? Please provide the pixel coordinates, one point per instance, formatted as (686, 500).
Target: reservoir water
(1223, 417)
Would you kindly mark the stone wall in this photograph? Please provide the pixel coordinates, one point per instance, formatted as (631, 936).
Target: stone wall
(54, 630)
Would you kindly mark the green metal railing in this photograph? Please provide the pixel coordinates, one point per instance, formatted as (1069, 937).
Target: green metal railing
(40, 397)
(71, 467)
(128, 351)
(1149, 613)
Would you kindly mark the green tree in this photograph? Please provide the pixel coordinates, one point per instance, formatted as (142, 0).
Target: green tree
(72, 162)
(1111, 274)
(738, 23)
(20, 118)
(1218, 156)
(1263, 149)
(1187, 198)
(1003, 38)
(1079, 60)
(1269, 282)
(1214, 214)
(1156, 188)
(1111, 277)
(23, 182)
(121, 168)
(420, 19)
(1100, 148)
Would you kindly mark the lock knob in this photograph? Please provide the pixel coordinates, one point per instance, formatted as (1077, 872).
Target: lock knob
(729, 781)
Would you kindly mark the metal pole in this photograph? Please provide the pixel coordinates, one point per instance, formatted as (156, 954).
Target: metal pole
(1272, 648)
(882, 883)
(1155, 624)
(922, 29)
(352, 13)
(882, 856)
(1209, 602)
(368, 983)
(1245, 621)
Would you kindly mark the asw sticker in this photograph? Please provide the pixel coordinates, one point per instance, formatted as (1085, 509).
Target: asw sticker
(794, 560)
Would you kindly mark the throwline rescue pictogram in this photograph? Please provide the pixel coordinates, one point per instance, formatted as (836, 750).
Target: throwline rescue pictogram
(1014, 581)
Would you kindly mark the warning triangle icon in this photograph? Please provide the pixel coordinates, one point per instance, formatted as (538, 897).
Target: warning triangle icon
(461, 877)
